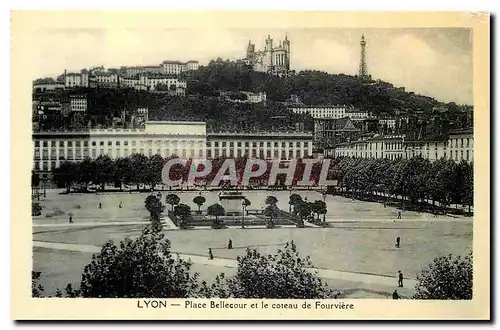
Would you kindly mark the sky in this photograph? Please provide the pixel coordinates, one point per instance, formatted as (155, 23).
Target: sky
(432, 61)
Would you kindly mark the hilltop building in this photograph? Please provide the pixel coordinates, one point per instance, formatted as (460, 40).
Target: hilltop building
(273, 59)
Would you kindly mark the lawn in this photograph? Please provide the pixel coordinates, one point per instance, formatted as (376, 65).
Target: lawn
(361, 240)
(339, 209)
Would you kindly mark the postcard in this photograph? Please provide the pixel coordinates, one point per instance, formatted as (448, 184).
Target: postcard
(250, 165)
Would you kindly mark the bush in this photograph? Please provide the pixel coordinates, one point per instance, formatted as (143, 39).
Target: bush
(285, 275)
(141, 268)
(36, 209)
(446, 277)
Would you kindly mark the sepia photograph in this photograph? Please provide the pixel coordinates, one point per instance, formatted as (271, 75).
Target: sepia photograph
(221, 167)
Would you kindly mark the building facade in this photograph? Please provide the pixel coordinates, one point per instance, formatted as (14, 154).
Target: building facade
(263, 145)
(47, 84)
(78, 103)
(274, 60)
(165, 138)
(458, 147)
(73, 79)
(432, 150)
(177, 67)
(461, 145)
(319, 111)
(384, 146)
(328, 132)
(332, 111)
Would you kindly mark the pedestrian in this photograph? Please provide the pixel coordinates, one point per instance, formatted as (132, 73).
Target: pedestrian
(70, 219)
(395, 294)
(399, 214)
(178, 256)
(398, 240)
(100, 205)
(121, 204)
(210, 254)
(400, 279)
(230, 244)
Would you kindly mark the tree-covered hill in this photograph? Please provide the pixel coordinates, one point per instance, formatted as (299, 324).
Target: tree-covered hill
(202, 101)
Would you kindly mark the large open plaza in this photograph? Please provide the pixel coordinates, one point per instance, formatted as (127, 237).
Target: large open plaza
(356, 254)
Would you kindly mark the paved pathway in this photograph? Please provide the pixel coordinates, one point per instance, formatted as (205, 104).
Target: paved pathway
(95, 222)
(231, 263)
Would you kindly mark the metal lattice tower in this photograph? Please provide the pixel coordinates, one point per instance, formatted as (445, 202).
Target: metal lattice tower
(363, 71)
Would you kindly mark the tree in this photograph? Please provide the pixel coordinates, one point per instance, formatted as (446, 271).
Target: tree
(123, 171)
(271, 200)
(271, 211)
(104, 170)
(35, 182)
(172, 199)
(65, 175)
(87, 171)
(141, 268)
(319, 207)
(36, 288)
(199, 200)
(139, 164)
(216, 210)
(303, 209)
(36, 209)
(294, 199)
(35, 179)
(183, 212)
(155, 166)
(284, 275)
(447, 277)
(153, 205)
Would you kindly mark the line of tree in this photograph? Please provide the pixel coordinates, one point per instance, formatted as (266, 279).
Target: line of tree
(137, 170)
(415, 180)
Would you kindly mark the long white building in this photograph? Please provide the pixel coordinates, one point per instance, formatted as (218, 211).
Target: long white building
(165, 138)
(263, 145)
(458, 147)
(331, 112)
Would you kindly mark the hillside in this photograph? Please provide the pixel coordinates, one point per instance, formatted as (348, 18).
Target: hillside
(312, 87)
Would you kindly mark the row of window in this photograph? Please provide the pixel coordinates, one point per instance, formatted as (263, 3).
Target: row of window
(79, 154)
(223, 144)
(255, 153)
(102, 143)
(399, 145)
(413, 154)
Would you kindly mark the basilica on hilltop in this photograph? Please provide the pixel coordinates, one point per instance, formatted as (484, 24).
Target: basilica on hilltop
(273, 59)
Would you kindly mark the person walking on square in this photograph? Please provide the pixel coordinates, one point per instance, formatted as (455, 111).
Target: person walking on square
(395, 294)
(230, 244)
(121, 204)
(399, 214)
(400, 279)
(70, 219)
(100, 205)
(398, 241)
(210, 254)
